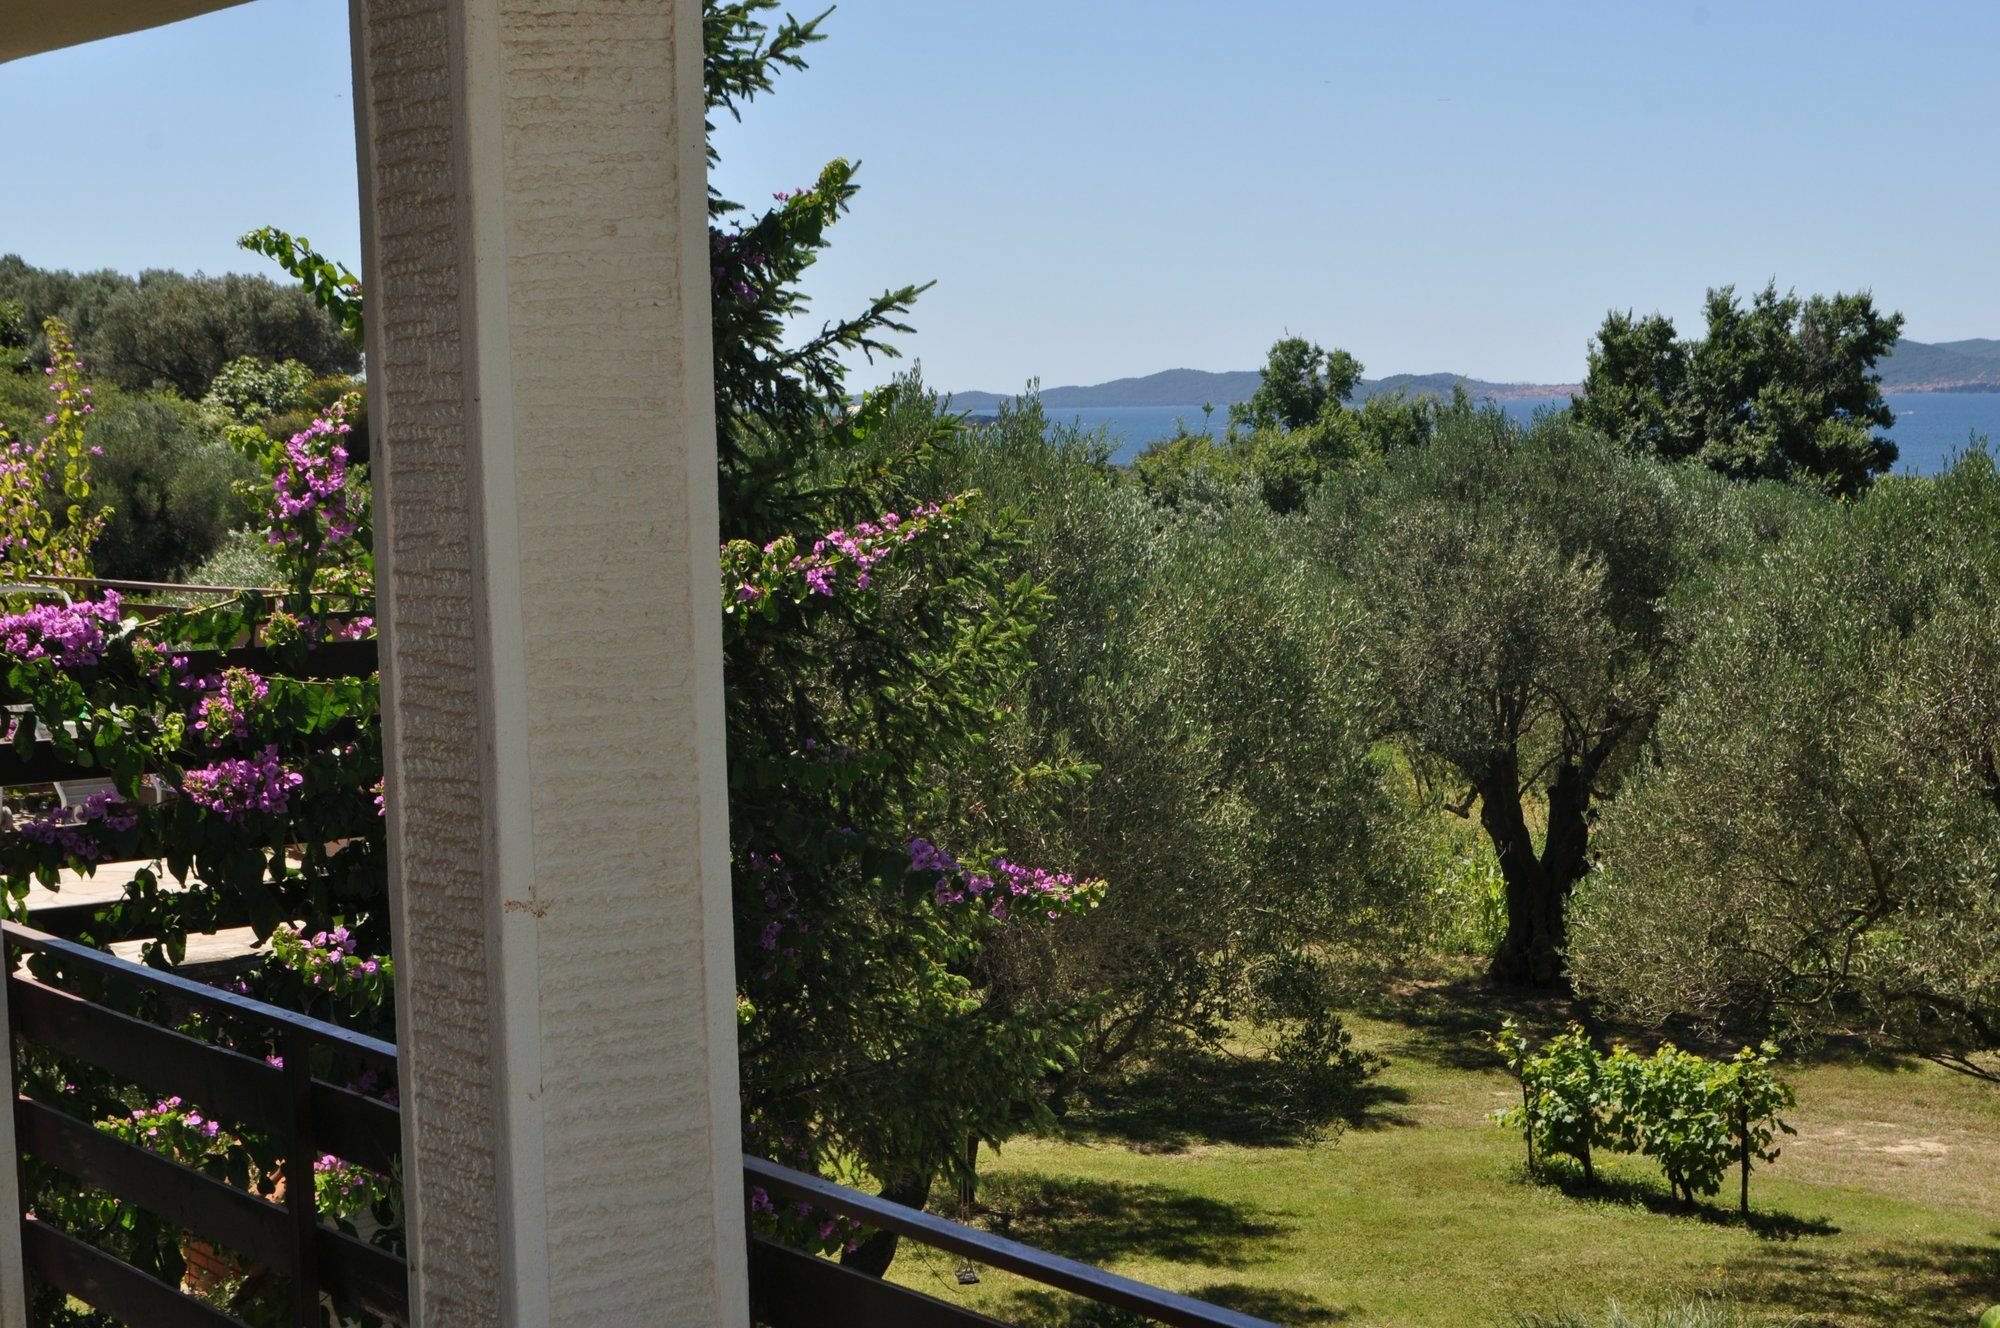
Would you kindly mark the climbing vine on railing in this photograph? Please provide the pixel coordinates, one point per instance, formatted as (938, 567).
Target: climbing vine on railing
(255, 787)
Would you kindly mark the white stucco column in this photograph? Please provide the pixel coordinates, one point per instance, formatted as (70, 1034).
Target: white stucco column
(536, 232)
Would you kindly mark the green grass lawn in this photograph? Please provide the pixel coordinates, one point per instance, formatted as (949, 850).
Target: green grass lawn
(1884, 1210)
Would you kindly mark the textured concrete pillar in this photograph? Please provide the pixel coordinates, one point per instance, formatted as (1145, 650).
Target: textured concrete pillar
(538, 362)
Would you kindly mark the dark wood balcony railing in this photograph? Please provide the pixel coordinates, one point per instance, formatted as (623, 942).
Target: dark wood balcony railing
(309, 1117)
(793, 1289)
(306, 1116)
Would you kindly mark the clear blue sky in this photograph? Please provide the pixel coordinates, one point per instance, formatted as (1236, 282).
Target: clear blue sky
(1109, 187)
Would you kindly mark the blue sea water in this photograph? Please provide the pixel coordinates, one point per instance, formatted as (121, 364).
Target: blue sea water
(1930, 426)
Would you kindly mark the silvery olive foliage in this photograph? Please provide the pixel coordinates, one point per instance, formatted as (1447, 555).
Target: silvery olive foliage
(1814, 840)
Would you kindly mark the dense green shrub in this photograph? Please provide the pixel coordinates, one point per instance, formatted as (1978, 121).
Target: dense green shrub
(251, 389)
(1667, 1108)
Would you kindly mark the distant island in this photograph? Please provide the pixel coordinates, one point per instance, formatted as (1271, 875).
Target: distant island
(1915, 366)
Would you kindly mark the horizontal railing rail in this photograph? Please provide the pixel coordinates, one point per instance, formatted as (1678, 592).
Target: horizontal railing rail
(304, 1115)
(793, 1289)
(308, 1116)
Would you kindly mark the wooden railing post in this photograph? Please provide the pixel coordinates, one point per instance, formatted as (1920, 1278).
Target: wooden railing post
(301, 1187)
(13, 1274)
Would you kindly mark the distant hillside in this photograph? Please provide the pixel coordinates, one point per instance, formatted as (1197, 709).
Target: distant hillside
(1943, 366)
(1197, 387)
(1914, 366)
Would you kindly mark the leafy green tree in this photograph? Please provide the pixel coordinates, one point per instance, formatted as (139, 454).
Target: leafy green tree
(1783, 389)
(77, 299)
(167, 329)
(1293, 434)
(1815, 843)
(176, 331)
(1515, 582)
(1299, 384)
(14, 327)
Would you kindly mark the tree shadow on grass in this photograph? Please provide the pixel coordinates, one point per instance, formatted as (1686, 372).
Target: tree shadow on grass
(1451, 1019)
(1102, 1222)
(1210, 1098)
(1928, 1284)
(1654, 1196)
(1046, 1309)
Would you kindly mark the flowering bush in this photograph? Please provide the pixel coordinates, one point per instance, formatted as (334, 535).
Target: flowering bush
(1003, 889)
(177, 1129)
(241, 786)
(872, 651)
(778, 569)
(228, 702)
(257, 788)
(331, 963)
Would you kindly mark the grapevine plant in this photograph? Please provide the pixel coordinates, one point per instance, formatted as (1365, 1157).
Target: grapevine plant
(1695, 1116)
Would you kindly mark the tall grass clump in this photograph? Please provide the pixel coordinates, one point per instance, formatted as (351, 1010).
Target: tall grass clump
(1703, 1313)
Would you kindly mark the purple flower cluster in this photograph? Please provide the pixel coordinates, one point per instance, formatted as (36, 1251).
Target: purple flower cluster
(1001, 889)
(358, 628)
(311, 482)
(242, 785)
(726, 247)
(773, 876)
(226, 703)
(864, 546)
(171, 1126)
(72, 635)
(341, 1187)
(67, 827)
(329, 959)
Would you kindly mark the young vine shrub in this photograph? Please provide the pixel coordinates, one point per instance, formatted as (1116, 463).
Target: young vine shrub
(1751, 1097)
(1676, 1124)
(1695, 1116)
(1564, 1095)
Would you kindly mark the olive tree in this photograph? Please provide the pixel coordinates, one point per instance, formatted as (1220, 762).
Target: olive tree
(1516, 581)
(1816, 842)
(1198, 663)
